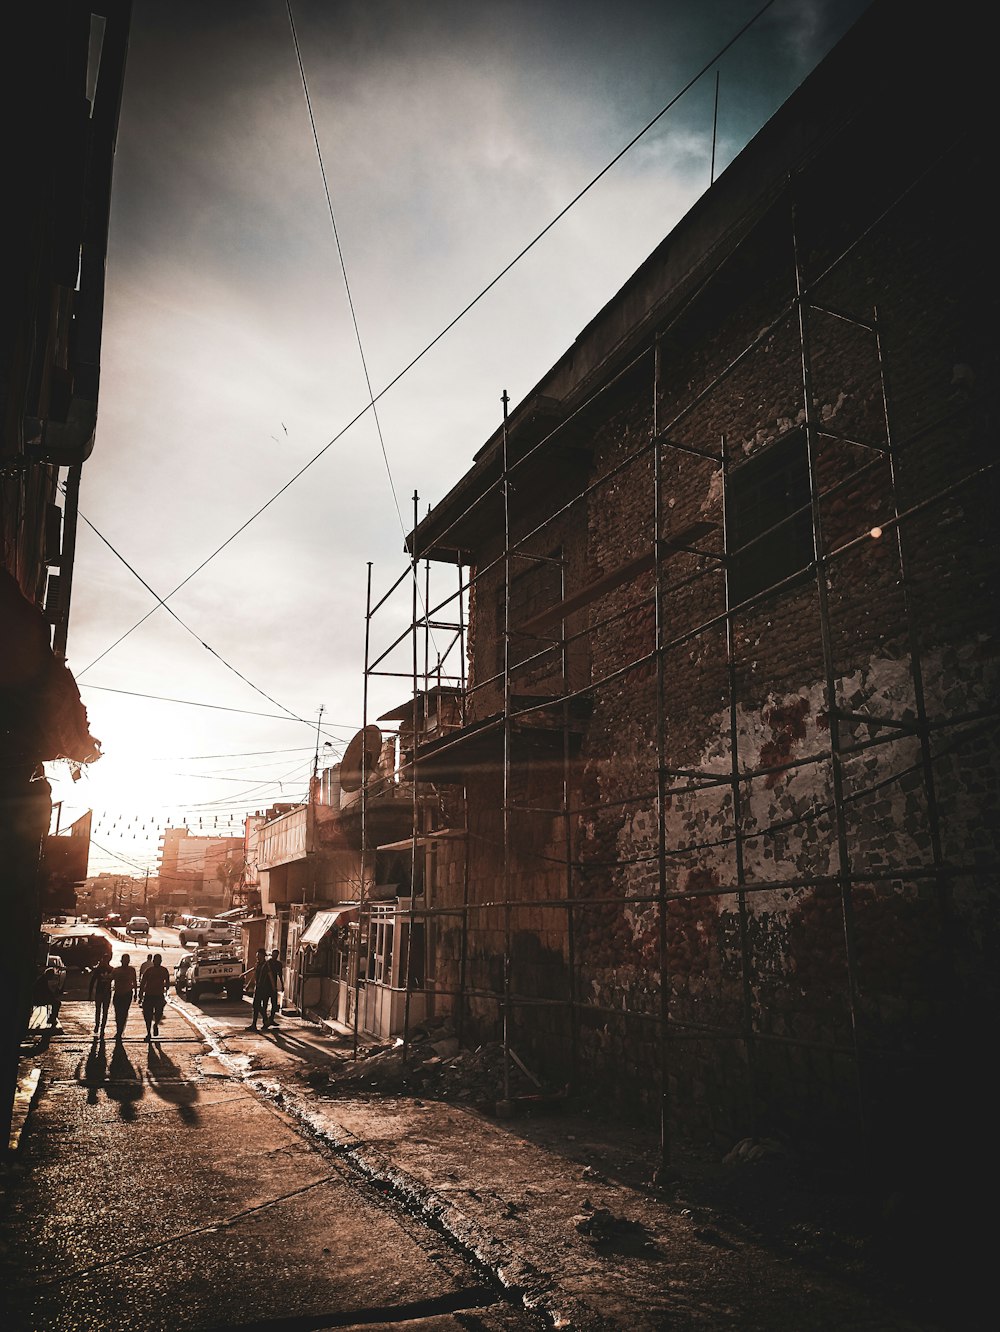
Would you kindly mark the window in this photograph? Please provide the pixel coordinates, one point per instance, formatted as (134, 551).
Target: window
(380, 968)
(535, 587)
(770, 523)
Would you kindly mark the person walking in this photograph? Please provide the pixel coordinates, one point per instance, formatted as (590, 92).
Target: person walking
(48, 994)
(124, 983)
(263, 989)
(101, 982)
(145, 967)
(153, 985)
(278, 972)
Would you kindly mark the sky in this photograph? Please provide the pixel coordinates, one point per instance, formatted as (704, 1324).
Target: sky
(451, 133)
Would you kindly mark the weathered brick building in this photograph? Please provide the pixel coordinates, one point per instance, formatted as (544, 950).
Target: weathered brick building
(727, 757)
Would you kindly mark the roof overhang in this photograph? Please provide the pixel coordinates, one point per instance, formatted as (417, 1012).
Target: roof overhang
(325, 921)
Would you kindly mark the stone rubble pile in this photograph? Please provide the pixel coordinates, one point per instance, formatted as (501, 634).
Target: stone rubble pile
(436, 1066)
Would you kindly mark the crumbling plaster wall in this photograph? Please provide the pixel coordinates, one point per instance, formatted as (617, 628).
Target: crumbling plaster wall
(921, 944)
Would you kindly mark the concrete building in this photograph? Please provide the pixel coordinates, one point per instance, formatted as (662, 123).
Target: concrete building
(716, 826)
(198, 873)
(319, 889)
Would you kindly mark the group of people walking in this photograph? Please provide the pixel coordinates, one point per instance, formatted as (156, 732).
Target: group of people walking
(117, 987)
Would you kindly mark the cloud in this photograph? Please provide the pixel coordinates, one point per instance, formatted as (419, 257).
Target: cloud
(451, 134)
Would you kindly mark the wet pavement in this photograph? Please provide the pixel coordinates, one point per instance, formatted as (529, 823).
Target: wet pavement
(220, 1179)
(148, 1193)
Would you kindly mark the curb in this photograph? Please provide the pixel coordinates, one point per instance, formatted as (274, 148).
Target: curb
(24, 1098)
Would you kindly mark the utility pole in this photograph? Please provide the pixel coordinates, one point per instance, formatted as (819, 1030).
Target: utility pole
(316, 755)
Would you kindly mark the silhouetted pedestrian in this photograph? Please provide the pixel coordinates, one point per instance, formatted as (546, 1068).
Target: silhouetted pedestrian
(153, 984)
(101, 984)
(145, 967)
(263, 989)
(278, 971)
(48, 993)
(124, 982)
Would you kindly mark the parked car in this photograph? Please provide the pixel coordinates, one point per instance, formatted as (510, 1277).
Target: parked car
(80, 948)
(201, 931)
(55, 962)
(138, 926)
(209, 971)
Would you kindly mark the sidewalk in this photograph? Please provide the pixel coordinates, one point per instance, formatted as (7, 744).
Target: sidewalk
(558, 1203)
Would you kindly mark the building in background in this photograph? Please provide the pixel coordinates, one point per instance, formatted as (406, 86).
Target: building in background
(318, 888)
(62, 85)
(198, 874)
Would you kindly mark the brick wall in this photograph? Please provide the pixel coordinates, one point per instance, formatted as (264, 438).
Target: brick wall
(901, 627)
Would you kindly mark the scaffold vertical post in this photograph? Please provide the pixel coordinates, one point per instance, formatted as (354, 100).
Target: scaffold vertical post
(507, 739)
(844, 878)
(404, 960)
(661, 776)
(737, 802)
(362, 887)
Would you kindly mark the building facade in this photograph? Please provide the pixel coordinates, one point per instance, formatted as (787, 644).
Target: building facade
(60, 102)
(199, 874)
(725, 772)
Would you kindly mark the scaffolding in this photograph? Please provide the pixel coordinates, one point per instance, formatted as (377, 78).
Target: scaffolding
(701, 566)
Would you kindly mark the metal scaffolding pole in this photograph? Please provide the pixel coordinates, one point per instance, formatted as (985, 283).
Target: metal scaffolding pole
(661, 763)
(415, 833)
(507, 743)
(737, 798)
(362, 918)
(829, 668)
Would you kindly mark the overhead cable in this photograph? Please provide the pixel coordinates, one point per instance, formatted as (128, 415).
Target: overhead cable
(350, 298)
(170, 611)
(194, 703)
(376, 397)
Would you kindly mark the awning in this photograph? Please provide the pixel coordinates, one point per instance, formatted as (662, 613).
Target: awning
(323, 922)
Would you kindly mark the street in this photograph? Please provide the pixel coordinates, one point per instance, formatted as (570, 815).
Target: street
(223, 1178)
(158, 1191)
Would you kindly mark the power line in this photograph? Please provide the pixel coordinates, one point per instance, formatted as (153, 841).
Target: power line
(170, 611)
(239, 753)
(340, 256)
(115, 856)
(194, 703)
(376, 397)
(347, 288)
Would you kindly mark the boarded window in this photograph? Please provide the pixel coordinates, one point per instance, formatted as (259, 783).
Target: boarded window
(534, 587)
(770, 523)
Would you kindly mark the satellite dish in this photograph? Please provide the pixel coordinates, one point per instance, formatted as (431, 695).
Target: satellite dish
(363, 752)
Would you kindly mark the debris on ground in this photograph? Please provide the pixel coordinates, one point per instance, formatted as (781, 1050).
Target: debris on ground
(607, 1230)
(754, 1149)
(436, 1066)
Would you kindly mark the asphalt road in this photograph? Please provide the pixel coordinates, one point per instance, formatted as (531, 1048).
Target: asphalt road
(156, 1190)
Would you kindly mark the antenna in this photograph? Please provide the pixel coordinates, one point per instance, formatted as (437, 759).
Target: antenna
(316, 755)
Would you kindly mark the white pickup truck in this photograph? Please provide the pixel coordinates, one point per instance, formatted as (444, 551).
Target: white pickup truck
(199, 930)
(209, 971)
